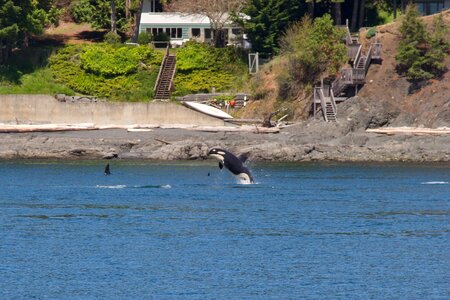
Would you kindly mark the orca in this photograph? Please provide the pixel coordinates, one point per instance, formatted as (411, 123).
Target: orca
(107, 170)
(233, 163)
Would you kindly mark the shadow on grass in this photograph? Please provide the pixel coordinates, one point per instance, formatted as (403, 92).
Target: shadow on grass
(25, 61)
(91, 36)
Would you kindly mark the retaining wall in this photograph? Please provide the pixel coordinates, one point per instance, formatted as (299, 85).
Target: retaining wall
(45, 109)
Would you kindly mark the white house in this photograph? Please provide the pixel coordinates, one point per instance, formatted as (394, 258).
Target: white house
(181, 27)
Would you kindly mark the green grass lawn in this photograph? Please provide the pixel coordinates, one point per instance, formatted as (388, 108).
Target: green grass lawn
(39, 81)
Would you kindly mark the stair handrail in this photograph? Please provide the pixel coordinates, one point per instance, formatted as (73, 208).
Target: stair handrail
(173, 76)
(161, 68)
(348, 35)
(357, 57)
(333, 102)
(368, 60)
(323, 104)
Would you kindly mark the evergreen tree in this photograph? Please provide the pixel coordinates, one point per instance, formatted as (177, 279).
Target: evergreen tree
(268, 20)
(19, 19)
(421, 56)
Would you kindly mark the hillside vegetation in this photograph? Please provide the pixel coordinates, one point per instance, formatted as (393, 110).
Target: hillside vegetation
(202, 68)
(385, 82)
(116, 72)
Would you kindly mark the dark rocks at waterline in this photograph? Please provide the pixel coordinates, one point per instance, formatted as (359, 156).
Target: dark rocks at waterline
(295, 143)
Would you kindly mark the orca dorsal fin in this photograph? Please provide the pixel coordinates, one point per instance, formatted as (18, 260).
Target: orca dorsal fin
(243, 157)
(220, 165)
(107, 170)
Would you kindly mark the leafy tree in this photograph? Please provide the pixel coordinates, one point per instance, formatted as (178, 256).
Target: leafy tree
(421, 55)
(268, 20)
(313, 48)
(102, 14)
(219, 13)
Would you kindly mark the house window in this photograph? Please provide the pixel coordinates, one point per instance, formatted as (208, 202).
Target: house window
(175, 33)
(195, 32)
(207, 33)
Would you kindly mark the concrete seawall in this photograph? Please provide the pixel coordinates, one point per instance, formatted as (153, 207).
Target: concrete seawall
(45, 109)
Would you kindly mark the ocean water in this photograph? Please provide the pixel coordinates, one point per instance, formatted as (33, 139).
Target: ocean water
(188, 231)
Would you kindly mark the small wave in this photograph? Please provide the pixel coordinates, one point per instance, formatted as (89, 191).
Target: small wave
(165, 186)
(435, 182)
(119, 186)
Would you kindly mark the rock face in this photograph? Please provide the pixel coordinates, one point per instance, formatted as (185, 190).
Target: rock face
(314, 140)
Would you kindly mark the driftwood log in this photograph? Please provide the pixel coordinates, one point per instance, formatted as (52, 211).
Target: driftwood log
(135, 127)
(411, 130)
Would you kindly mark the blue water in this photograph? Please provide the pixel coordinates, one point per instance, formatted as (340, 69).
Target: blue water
(169, 230)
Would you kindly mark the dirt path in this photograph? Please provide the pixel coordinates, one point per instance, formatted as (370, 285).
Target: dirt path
(72, 33)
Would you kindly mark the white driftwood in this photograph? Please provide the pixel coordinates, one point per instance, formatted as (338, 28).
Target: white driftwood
(45, 127)
(4, 128)
(411, 130)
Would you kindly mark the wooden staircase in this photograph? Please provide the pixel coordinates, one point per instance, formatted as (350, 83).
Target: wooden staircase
(348, 77)
(331, 116)
(164, 82)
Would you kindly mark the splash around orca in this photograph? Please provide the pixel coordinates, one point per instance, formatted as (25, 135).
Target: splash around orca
(233, 163)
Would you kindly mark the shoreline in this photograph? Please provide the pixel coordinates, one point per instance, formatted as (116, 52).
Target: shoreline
(298, 143)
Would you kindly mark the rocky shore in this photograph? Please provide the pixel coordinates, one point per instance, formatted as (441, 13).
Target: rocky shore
(312, 140)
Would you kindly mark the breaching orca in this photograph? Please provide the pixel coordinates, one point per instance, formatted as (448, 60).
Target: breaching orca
(107, 170)
(232, 163)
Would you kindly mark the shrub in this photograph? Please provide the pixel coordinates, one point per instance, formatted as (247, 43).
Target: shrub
(371, 32)
(313, 48)
(161, 37)
(112, 38)
(200, 67)
(103, 70)
(202, 81)
(144, 38)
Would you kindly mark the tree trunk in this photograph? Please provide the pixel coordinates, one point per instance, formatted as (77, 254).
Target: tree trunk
(354, 15)
(137, 22)
(113, 16)
(361, 14)
(127, 9)
(395, 9)
(311, 8)
(337, 13)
